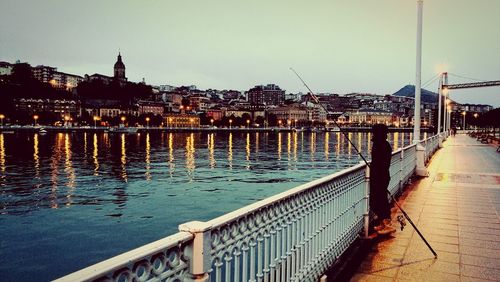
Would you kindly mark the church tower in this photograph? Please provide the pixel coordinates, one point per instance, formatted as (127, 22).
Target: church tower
(120, 69)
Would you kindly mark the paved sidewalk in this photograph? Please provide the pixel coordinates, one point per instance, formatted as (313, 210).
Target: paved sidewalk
(457, 209)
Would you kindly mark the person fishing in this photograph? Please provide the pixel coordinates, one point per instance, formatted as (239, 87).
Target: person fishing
(379, 180)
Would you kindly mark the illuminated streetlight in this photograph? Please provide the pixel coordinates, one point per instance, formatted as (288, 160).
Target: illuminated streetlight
(296, 122)
(212, 122)
(191, 121)
(230, 123)
(248, 123)
(279, 123)
(96, 118)
(147, 121)
(169, 122)
(123, 120)
(35, 117)
(1, 118)
(464, 113)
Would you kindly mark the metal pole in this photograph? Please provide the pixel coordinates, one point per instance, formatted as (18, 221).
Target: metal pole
(416, 123)
(440, 93)
(464, 118)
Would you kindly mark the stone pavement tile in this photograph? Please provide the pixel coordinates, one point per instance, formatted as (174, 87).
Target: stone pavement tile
(427, 224)
(432, 265)
(478, 213)
(478, 219)
(408, 274)
(417, 245)
(392, 259)
(362, 277)
(481, 261)
(379, 268)
(474, 251)
(479, 243)
(395, 241)
(484, 237)
(396, 250)
(442, 239)
(438, 215)
(479, 230)
(491, 225)
(479, 272)
(438, 231)
(412, 255)
(472, 279)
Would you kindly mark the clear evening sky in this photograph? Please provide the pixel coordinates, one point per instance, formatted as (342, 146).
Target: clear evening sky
(338, 46)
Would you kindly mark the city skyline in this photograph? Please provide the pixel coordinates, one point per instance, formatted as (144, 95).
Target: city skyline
(337, 47)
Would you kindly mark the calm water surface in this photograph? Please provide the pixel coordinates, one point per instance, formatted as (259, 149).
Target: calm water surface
(68, 200)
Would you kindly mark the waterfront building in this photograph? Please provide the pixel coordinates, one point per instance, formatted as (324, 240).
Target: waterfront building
(150, 107)
(5, 68)
(216, 114)
(65, 81)
(371, 116)
(43, 73)
(270, 94)
(199, 102)
(291, 112)
(62, 107)
(182, 120)
(118, 74)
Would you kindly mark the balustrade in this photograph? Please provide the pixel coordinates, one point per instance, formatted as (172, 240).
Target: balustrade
(292, 236)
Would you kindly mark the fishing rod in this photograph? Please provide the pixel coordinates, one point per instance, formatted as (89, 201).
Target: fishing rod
(311, 94)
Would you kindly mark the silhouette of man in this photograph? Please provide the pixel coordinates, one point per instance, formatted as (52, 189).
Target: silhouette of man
(379, 179)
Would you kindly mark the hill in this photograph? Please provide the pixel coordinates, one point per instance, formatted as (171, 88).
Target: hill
(426, 95)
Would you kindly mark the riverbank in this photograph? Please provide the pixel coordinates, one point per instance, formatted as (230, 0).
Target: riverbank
(41, 128)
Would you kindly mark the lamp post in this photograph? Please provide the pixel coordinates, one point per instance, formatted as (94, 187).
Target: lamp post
(35, 117)
(279, 123)
(169, 122)
(248, 123)
(418, 73)
(212, 122)
(96, 118)
(191, 121)
(147, 122)
(1, 118)
(123, 120)
(230, 123)
(464, 113)
(66, 120)
(475, 120)
(296, 122)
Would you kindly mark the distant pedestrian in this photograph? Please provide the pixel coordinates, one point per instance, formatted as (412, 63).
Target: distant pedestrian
(379, 179)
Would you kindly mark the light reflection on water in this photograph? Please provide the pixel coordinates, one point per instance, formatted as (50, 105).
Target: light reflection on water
(78, 190)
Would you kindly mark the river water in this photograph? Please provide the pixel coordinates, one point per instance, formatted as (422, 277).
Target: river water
(68, 200)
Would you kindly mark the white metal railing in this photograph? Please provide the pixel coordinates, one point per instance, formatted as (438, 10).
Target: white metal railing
(293, 236)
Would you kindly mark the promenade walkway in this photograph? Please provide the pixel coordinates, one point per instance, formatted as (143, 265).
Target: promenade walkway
(457, 209)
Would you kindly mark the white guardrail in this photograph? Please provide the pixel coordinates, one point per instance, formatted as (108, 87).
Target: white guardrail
(293, 236)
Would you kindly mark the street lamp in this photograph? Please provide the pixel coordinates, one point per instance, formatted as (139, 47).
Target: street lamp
(123, 120)
(66, 120)
(169, 122)
(1, 118)
(96, 118)
(147, 121)
(248, 123)
(212, 122)
(464, 113)
(475, 121)
(191, 120)
(296, 122)
(279, 123)
(35, 117)
(230, 123)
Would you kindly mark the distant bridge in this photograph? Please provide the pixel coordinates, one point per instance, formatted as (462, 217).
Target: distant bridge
(471, 85)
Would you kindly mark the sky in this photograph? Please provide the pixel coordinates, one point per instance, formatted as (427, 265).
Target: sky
(337, 46)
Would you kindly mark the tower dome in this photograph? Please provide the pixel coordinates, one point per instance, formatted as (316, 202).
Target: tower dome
(119, 68)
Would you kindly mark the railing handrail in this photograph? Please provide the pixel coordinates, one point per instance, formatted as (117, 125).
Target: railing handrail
(234, 215)
(97, 270)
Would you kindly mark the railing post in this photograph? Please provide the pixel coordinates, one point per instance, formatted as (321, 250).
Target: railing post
(401, 169)
(199, 251)
(420, 170)
(366, 214)
(441, 139)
